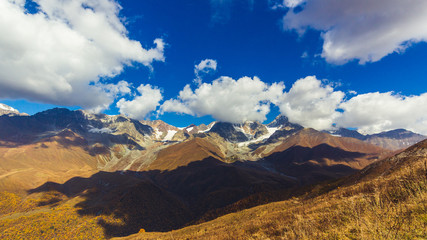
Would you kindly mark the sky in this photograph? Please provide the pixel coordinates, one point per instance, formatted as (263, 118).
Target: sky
(322, 63)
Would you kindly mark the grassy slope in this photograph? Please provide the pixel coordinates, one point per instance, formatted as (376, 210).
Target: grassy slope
(29, 218)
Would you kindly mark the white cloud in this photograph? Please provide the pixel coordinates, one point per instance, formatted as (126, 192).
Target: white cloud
(280, 4)
(204, 67)
(292, 3)
(59, 54)
(119, 89)
(100, 130)
(177, 106)
(228, 100)
(364, 29)
(311, 103)
(377, 112)
(146, 102)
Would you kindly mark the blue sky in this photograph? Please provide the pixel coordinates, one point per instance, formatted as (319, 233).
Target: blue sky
(275, 41)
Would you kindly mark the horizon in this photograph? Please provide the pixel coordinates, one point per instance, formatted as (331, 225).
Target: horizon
(198, 62)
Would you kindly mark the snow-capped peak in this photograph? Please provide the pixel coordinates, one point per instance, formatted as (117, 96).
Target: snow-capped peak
(7, 108)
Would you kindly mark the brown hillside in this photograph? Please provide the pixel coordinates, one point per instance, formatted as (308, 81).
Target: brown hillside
(310, 138)
(184, 153)
(365, 153)
(56, 159)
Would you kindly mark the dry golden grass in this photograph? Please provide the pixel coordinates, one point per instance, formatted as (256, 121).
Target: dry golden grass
(47, 216)
(388, 207)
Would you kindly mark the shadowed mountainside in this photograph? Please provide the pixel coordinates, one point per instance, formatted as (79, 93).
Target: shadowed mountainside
(165, 200)
(198, 190)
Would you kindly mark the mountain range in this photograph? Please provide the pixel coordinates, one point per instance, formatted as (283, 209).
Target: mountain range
(155, 175)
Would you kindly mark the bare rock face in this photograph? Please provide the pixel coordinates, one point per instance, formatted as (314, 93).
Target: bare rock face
(180, 136)
(162, 130)
(229, 132)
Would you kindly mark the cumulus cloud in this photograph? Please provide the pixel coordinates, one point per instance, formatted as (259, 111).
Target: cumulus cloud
(314, 103)
(377, 112)
(364, 29)
(145, 102)
(311, 103)
(228, 100)
(59, 54)
(119, 89)
(204, 67)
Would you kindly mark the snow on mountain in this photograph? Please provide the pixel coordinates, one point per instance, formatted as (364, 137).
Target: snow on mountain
(207, 128)
(169, 135)
(158, 133)
(271, 131)
(10, 111)
(7, 108)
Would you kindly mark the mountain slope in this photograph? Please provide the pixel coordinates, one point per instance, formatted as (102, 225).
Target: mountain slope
(122, 141)
(394, 140)
(386, 200)
(165, 200)
(313, 156)
(56, 158)
(184, 153)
